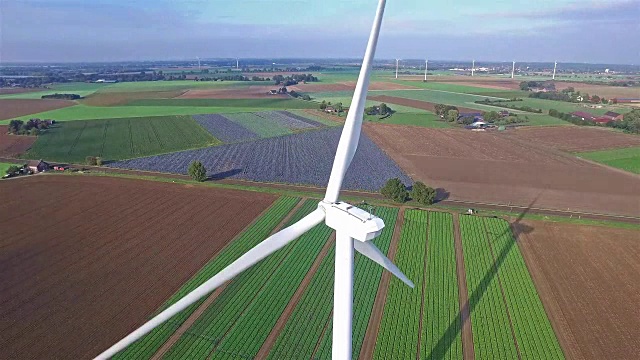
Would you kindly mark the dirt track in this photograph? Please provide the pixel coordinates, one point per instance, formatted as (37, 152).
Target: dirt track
(587, 278)
(490, 167)
(85, 260)
(12, 145)
(424, 105)
(12, 108)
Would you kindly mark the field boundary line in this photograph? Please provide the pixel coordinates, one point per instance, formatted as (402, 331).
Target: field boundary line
(324, 331)
(425, 263)
(371, 335)
(504, 298)
(468, 352)
(75, 141)
(186, 325)
(293, 302)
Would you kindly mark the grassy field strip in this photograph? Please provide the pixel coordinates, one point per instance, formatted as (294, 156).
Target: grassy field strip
(626, 159)
(118, 139)
(257, 125)
(4, 167)
(266, 103)
(239, 321)
(367, 277)
(492, 338)
(399, 327)
(260, 229)
(535, 336)
(441, 322)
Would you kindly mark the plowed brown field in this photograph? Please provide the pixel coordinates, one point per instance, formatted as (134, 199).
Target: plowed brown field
(85, 260)
(12, 145)
(10, 108)
(587, 278)
(575, 138)
(424, 105)
(251, 92)
(493, 167)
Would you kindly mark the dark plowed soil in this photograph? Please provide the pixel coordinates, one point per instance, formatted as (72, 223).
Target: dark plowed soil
(424, 105)
(86, 260)
(587, 278)
(12, 145)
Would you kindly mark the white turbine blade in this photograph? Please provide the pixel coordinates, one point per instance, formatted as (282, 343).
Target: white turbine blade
(368, 249)
(352, 126)
(251, 257)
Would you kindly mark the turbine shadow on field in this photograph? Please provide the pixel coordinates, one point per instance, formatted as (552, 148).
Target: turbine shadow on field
(225, 174)
(444, 343)
(441, 195)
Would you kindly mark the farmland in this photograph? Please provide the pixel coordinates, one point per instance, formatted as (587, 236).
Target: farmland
(16, 108)
(304, 158)
(4, 167)
(587, 279)
(12, 145)
(577, 139)
(268, 103)
(507, 316)
(61, 278)
(497, 167)
(115, 139)
(626, 158)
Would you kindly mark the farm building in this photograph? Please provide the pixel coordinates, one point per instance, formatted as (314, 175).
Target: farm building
(583, 115)
(38, 166)
(603, 120)
(627, 100)
(612, 116)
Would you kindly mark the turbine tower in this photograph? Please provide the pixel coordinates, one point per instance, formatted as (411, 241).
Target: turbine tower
(473, 67)
(355, 228)
(513, 70)
(397, 65)
(555, 65)
(198, 62)
(426, 67)
(237, 63)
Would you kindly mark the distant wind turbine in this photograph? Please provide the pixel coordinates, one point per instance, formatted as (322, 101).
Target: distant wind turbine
(513, 70)
(397, 65)
(355, 228)
(198, 62)
(426, 67)
(473, 67)
(237, 63)
(555, 65)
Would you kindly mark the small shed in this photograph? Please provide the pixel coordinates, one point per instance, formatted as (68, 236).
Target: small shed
(37, 166)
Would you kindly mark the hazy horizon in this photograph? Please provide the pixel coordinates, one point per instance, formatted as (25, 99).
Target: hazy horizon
(144, 30)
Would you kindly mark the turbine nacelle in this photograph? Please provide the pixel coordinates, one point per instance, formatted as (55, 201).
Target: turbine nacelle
(350, 220)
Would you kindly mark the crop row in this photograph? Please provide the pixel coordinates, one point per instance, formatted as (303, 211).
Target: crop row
(305, 158)
(260, 229)
(258, 125)
(399, 327)
(533, 331)
(240, 319)
(492, 337)
(309, 326)
(283, 120)
(441, 324)
(224, 129)
(316, 124)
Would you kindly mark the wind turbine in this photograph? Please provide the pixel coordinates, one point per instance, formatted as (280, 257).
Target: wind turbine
(198, 62)
(555, 65)
(426, 67)
(473, 67)
(355, 228)
(397, 65)
(513, 70)
(237, 63)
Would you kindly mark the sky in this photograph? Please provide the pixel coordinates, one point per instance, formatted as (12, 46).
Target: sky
(604, 31)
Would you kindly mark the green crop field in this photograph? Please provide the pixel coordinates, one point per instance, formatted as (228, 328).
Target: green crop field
(504, 304)
(255, 233)
(266, 103)
(307, 333)
(82, 89)
(4, 167)
(426, 255)
(116, 139)
(626, 159)
(239, 320)
(561, 106)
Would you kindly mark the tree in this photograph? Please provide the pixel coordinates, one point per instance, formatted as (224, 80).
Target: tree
(423, 194)
(98, 161)
(306, 97)
(491, 116)
(383, 109)
(197, 171)
(12, 169)
(595, 99)
(34, 131)
(91, 160)
(452, 115)
(394, 189)
(323, 105)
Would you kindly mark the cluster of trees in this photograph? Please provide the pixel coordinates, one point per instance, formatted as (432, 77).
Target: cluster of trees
(395, 190)
(338, 107)
(442, 110)
(630, 122)
(197, 171)
(294, 79)
(93, 160)
(528, 85)
(300, 96)
(31, 127)
(382, 110)
(62, 96)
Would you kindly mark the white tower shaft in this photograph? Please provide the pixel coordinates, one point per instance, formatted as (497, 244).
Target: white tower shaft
(343, 298)
(426, 68)
(397, 64)
(473, 67)
(555, 65)
(513, 70)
